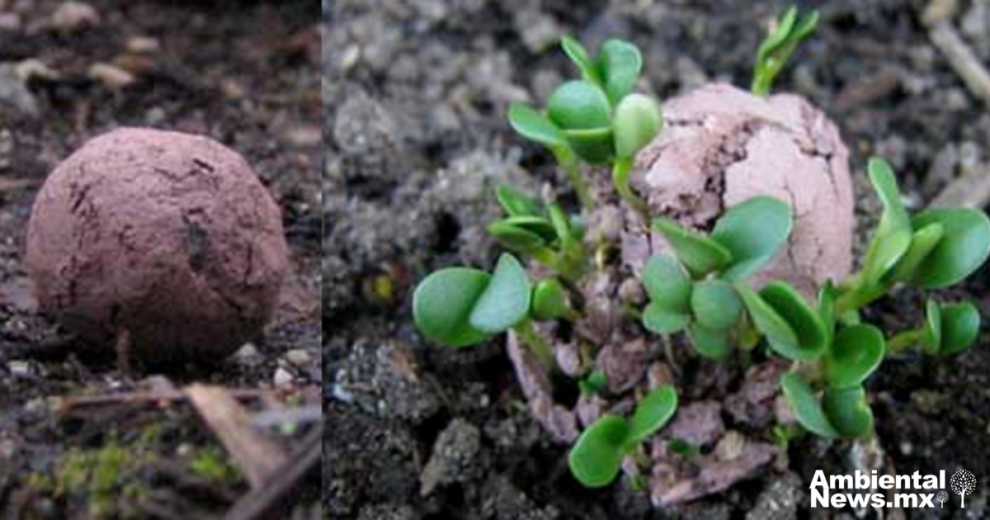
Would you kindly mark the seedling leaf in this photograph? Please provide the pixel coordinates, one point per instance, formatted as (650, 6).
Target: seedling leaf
(666, 283)
(537, 225)
(579, 56)
(923, 241)
(443, 302)
(960, 327)
(505, 301)
(516, 238)
(619, 65)
(515, 203)
(753, 232)
(594, 145)
(658, 320)
(637, 121)
(962, 250)
(803, 320)
(826, 309)
(805, 406)
(597, 455)
(715, 304)
(579, 105)
(550, 300)
(710, 343)
(848, 411)
(855, 353)
(933, 323)
(766, 319)
(652, 413)
(700, 254)
(893, 235)
(535, 126)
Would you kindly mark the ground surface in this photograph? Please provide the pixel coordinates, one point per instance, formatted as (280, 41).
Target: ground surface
(414, 99)
(245, 73)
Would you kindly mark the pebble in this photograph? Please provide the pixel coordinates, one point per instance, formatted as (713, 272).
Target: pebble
(247, 355)
(298, 357)
(10, 22)
(111, 75)
(19, 368)
(14, 91)
(142, 44)
(73, 16)
(282, 377)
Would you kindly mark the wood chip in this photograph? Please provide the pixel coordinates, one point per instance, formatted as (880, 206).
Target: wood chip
(971, 190)
(962, 59)
(257, 457)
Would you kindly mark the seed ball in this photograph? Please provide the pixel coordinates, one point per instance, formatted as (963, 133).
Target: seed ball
(722, 146)
(168, 236)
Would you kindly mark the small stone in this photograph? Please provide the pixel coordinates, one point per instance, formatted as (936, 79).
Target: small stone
(111, 75)
(247, 355)
(142, 44)
(10, 22)
(14, 91)
(73, 16)
(283, 377)
(19, 368)
(298, 357)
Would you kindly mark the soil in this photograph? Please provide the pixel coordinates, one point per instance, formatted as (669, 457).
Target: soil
(414, 102)
(245, 73)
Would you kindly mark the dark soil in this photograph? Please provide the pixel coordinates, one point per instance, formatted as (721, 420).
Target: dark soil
(414, 105)
(245, 73)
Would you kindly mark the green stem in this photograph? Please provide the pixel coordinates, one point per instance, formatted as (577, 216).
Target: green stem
(532, 339)
(761, 83)
(620, 178)
(567, 160)
(905, 339)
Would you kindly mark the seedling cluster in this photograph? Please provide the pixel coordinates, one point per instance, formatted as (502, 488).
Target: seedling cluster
(702, 289)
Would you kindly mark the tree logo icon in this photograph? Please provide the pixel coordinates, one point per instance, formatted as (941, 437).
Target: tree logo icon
(962, 483)
(942, 496)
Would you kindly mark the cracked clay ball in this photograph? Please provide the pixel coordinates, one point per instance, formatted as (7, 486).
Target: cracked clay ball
(166, 236)
(722, 146)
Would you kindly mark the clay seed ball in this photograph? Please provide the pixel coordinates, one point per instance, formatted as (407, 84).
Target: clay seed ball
(722, 146)
(168, 236)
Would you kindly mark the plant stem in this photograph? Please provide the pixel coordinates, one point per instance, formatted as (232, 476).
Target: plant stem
(567, 160)
(761, 83)
(905, 339)
(620, 178)
(532, 339)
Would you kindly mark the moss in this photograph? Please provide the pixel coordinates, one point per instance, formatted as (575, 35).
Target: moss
(211, 463)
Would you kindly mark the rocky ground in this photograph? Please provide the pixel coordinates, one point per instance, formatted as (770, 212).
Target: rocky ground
(414, 98)
(79, 439)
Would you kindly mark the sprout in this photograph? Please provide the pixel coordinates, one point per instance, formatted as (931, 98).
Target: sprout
(597, 456)
(597, 118)
(778, 46)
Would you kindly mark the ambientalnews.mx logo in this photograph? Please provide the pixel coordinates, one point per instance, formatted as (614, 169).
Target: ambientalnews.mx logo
(861, 490)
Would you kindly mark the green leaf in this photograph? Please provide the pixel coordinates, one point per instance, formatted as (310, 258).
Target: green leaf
(700, 254)
(593, 384)
(442, 303)
(537, 225)
(893, 235)
(933, 327)
(776, 38)
(515, 203)
(637, 121)
(658, 320)
(715, 304)
(855, 354)
(766, 319)
(652, 413)
(710, 343)
(597, 455)
(803, 320)
(805, 406)
(550, 300)
(619, 63)
(848, 411)
(579, 56)
(535, 126)
(667, 284)
(561, 224)
(777, 48)
(505, 302)
(579, 105)
(826, 309)
(962, 250)
(516, 238)
(753, 232)
(923, 241)
(960, 327)
(594, 145)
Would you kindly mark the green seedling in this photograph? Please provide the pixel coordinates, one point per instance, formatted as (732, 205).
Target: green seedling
(597, 456)
(778, 46)
(594, 383)
(543, 233)
(948, 329)
(596, 119)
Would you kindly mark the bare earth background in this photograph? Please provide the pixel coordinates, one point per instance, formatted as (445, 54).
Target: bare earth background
(245, 73)
(414, 97)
